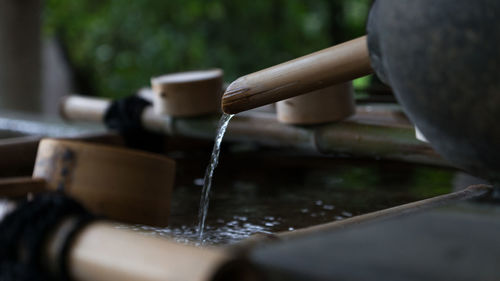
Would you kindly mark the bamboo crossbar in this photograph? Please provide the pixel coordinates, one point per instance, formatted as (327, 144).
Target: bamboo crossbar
(385, 136)
(102, 251)
(469, 193)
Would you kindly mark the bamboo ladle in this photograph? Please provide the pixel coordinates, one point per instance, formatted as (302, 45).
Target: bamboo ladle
(124, 185)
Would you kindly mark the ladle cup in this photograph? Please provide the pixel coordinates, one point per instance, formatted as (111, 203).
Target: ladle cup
(121, 184)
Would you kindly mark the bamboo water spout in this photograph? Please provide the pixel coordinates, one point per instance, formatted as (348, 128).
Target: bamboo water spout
(318, 70)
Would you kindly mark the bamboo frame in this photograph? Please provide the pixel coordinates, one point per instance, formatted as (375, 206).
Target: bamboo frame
(471, 192)
(381, 135)
(102, 251)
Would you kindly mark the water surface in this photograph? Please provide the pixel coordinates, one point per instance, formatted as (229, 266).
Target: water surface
(269, 194)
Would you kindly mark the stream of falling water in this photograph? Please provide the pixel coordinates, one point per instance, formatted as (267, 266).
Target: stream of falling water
(207, 183)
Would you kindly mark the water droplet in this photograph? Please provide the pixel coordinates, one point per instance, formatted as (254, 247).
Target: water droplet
(198, 182)
(346, 214)
(241, 218)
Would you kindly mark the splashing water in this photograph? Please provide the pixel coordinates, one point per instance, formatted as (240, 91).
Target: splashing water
(207, 184)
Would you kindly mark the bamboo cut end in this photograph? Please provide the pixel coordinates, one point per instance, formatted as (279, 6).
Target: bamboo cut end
(187, 94)
(235, 98)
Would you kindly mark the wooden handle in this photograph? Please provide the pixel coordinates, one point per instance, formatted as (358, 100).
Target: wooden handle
(318, 70)
(104, 252)
(83, 108)
(78, 108)
(19, 187)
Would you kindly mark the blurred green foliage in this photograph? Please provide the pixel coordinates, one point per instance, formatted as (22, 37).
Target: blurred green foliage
(117, 46)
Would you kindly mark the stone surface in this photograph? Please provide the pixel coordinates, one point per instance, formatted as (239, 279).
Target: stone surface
(457, 242)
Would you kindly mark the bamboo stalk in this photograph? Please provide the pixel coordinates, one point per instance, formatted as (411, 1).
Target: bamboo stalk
(327, 67)
(471, 192)
(104, 252)
(83, 108)
(380, 135)
(346, 138)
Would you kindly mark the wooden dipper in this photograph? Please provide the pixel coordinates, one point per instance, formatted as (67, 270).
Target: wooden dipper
(188, 93)
(333, 103)
(124, 185)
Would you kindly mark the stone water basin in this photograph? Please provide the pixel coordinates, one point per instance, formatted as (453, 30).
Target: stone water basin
(271, 191)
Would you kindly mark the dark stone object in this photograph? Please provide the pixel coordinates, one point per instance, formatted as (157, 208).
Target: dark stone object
(442, 59)
(457, 242)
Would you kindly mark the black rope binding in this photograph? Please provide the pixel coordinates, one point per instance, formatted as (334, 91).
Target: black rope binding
(124, 115)
(24, 232)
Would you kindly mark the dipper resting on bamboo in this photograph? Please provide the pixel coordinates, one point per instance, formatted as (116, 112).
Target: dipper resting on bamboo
(441, 59)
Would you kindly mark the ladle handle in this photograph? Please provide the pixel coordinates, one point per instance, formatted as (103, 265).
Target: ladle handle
(318, 70)
(19, 187)
(83, 108)
(79, 108)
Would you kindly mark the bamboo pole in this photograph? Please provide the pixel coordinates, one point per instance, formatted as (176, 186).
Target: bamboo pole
(103, 252)
(327, 67)
(386, 136)
(83, 108)
(471, 192)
